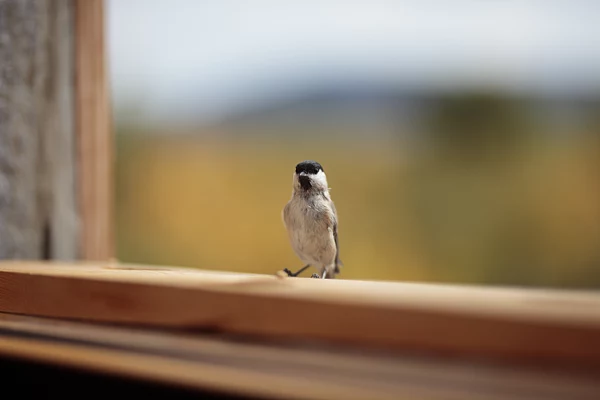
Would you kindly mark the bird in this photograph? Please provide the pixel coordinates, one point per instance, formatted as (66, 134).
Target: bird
(311, 221)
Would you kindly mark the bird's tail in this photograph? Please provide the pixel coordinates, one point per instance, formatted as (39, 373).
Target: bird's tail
(338, 264)
(332, 271)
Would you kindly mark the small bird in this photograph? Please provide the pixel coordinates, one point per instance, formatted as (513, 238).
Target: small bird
(311, 221)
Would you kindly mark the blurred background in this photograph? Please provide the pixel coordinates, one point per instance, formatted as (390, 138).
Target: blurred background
(461, 139)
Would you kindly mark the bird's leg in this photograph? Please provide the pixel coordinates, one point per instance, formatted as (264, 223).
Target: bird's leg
(324, 273)
(294, 274)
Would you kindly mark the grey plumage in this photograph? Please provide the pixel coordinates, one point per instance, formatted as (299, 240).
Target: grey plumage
(311, 220)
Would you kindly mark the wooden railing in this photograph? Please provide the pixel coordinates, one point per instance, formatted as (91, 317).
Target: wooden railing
(512, 329)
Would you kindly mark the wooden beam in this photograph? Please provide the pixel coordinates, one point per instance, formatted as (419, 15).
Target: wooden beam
(261, 370)
(538, 326)
(93, 122)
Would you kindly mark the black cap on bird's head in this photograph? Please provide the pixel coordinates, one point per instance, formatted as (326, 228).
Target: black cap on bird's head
(306, 172)
(309, 167)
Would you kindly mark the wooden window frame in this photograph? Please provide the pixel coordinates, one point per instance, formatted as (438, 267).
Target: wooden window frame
(94, 133)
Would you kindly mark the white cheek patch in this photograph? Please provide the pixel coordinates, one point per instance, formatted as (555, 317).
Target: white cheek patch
(320, 179)
(296, 181)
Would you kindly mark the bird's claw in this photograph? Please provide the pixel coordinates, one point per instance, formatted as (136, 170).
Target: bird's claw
(315, 276)
(288, 272)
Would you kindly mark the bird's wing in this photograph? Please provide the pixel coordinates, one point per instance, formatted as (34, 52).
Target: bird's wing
(284, 214)
(338, 262)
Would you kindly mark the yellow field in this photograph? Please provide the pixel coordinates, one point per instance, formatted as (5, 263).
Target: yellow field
(216, 204)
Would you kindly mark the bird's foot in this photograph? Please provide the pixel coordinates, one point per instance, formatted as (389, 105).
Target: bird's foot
(294, 274)
(315, 276)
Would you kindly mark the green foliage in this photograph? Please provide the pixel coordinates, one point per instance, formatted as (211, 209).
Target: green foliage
(477, 127)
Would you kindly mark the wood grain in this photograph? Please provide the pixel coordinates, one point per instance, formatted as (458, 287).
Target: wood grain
(537, 326)
(268, 371)
(95, 139)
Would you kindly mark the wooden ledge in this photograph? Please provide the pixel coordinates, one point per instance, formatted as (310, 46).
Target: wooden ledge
(548, 326)
(261, 370)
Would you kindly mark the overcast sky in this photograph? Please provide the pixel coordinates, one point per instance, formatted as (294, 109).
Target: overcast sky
(220, 54)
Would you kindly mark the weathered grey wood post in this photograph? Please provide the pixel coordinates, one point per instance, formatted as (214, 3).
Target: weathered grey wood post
(55, 142)
(38, 213)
